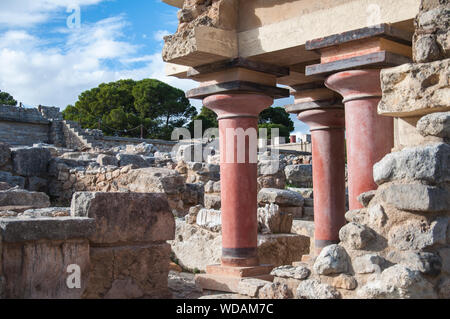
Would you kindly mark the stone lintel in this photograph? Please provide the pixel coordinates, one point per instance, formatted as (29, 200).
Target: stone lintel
(376, 60)
(15, 230)
(239, 62)
(201, 45)
(236, 87)
(383, 30)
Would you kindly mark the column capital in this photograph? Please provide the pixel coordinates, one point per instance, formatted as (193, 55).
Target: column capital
(356, 84)
(237, 105)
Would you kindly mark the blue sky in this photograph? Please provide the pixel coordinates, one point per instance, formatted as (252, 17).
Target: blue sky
(43, 61)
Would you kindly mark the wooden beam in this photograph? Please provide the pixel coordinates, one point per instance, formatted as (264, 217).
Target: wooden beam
(237, 87)
(382, 31)
(239, 62)
(380, 59)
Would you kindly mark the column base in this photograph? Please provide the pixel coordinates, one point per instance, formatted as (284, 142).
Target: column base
(227, 279)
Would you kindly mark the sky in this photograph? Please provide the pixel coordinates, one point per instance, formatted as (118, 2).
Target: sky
(53, 50)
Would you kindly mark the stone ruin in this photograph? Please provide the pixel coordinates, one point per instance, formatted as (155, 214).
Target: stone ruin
(135, 222)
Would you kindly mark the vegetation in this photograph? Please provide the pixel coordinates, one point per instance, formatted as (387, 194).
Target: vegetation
(122, 107)
(7, 99)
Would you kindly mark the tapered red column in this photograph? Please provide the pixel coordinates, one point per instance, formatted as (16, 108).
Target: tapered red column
(328, 153)
(369, 136)
(238, 122)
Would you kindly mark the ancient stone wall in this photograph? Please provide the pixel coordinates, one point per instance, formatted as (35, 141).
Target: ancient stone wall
(21, 126)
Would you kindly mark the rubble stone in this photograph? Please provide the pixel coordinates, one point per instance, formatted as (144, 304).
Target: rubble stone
(435, 124)
(31, 161)
(299, 175)
(332, 259)
(356, 236)
(280, 197)
(313, 289)
(271, 220)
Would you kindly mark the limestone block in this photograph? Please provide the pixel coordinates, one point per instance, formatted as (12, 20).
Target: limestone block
(313, 289)
(5, 153)
(280, 197)
(7, 177)
(40, 269)
(20, 197)
(200, 45)
(307, 193)
(129, 159)
(435, 124)
(429, 163)
(106, 160)
(299, 175)
(415, 89)
(356, 236)
(368, 264)
(212, 201)
(126, 217)
(31, 161)
(272, 221)
(332, 259)
(129, 272)
(153, 180)
(268, 167)
(37, 184)
(427, 263)
(22, 229)
(274, 291)
(366, 197)
(398, 282)
(416, 197)
(344, 281)
(251, 287)
(416, 234)
(297, 272)
(209, 218)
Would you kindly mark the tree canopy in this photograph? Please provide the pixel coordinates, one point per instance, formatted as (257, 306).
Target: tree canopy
(122, 107)
(273, 117)
(7, 99)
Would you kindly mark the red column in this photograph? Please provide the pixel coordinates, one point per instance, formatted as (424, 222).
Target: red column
(328, 152)
(369, 136)
(238, 180)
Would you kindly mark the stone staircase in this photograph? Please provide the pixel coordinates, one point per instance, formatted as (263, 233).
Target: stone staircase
(87, 141)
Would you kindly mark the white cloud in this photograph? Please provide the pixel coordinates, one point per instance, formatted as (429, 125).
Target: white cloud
(25, 13)
(160, 34)
(36, 73)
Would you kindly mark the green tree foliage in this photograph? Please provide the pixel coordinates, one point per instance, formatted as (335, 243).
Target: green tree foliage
(208, 118)
(273, 117)
(276, 117)
(122, 107)
(7, 99)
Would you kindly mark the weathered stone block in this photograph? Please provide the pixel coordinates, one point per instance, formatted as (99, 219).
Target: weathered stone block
(356, 236)
(427, 263)
(332, 259)
(31, 161)
(272, 220)
(430, 163)
(126, 217)
(415, 89)
(435, 124)
(416, 234)
(280, 197)
(5, 153)
(209, 218)
(299, 175)
(106, 160)
(20, 197)
(368, 264)
(129, 272)
(212, 201)
(40, 270)
(417, 197)
(129, 159)
(398, 282)
(154, 180)
(313, 289)
(15, 230)
(7, 177)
